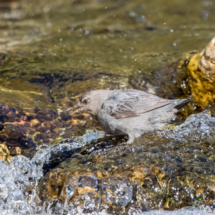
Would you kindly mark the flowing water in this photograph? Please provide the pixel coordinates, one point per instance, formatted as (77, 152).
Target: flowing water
(53, 51)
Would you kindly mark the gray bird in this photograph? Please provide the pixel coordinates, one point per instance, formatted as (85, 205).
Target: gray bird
(128, 112)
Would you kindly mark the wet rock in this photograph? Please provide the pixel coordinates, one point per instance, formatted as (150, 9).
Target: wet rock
(19, 178)
(116, 193)
(166, 170)
(81, 191)
(50, 157)
(196, 127)
(198, 76)
(4, 153)
(169, 170)
(201, 76)
(89, 192)
(206, 64)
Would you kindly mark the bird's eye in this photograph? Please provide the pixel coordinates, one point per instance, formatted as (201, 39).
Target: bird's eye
(85, 101)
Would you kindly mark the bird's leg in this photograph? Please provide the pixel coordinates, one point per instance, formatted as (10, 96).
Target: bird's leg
(130, 138)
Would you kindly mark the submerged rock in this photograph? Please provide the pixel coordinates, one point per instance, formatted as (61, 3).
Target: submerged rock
(31, 128)
(4, 153)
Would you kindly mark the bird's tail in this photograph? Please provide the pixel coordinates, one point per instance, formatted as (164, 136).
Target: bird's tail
(180, 103)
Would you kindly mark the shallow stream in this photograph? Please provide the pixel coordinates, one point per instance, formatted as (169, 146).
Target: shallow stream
(53, 51)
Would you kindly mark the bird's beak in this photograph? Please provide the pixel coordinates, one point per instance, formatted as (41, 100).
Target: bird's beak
(77, 105)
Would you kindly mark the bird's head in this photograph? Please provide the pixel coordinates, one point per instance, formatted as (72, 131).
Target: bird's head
(91, 102)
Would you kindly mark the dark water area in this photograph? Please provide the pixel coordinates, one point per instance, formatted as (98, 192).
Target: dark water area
(51, 52)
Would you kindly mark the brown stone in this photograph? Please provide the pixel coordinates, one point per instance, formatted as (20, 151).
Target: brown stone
(200, 77)
(138, 174)
(85, 190)
(34, 122)
(15, 151)
(97, 158)
(155, 169)
(4, 153)
(207, 61)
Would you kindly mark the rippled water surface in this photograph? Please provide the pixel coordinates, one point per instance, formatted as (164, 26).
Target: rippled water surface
(53, 51)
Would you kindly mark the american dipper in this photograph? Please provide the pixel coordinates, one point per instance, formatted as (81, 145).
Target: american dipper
(128, 112)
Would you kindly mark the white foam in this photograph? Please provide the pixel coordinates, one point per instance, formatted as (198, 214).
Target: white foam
(183, 211)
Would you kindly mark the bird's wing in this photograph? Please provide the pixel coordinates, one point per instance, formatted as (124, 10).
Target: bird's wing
(132, 103)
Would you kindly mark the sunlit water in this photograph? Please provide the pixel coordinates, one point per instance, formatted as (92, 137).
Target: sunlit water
(53, 51)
